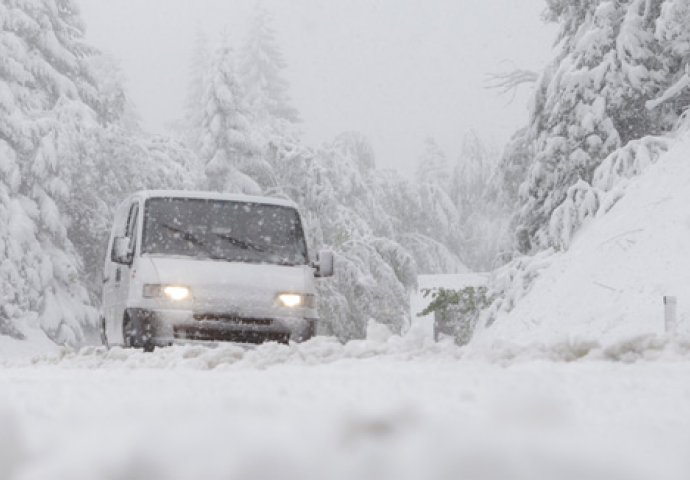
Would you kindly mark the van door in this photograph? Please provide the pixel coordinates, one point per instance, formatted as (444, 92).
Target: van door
(122, 275)
(108, 299)
(109, 268)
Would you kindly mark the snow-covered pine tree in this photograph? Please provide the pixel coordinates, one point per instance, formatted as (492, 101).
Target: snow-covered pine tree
(116, 162)
(432, 165)
(114, 159)
(471, 174)
(591, 100)
(227, 144)
(16, 231)
(115, 105)
(512, 169)
(476, 190)
(194, 103)
(430, 210)
(374, 272)
(261, 73)
(273, 118)
(674, 39)
(46, 96)
(422, 219)
(418, 216)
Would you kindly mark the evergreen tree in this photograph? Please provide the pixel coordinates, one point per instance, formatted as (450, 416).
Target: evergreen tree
(273, 118)
(374, 272)
(592, 99)
(115, 105)
(261, 71)
(70, 150)
(471, 175)
(47, 96)
(115, 162)
(512, 169)
(423, 219)
(478, 193)
(227, 146)
(194, 103)
(432, 165)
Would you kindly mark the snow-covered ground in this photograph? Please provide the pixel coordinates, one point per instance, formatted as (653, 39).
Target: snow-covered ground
(383, 408)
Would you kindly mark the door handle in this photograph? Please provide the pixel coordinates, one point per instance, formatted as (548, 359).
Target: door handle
(118, 274)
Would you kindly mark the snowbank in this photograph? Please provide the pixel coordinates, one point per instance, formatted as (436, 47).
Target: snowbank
(414, 348)
(35, 343)
(318, 351)
(609, 286)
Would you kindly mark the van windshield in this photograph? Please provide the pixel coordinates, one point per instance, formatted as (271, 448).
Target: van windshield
(223, 230)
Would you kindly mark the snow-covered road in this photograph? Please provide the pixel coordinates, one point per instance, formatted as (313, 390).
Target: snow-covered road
(326, 411)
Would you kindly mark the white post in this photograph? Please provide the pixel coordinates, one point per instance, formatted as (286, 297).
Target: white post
(671, 320)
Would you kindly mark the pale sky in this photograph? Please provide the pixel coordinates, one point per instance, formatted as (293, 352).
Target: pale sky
(398, 71)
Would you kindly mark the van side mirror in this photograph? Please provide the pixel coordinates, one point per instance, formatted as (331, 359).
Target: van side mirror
(121, 252)
(325, 265)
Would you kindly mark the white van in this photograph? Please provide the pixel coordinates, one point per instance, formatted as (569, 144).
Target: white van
(203, 267)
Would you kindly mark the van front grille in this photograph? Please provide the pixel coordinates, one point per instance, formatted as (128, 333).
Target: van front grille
(231, 319)
(220, 335)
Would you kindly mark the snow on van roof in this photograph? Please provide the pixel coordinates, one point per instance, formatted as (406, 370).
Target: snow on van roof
(214, 196)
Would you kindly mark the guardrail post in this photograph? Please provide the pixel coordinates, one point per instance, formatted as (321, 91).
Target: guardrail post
(670, 314)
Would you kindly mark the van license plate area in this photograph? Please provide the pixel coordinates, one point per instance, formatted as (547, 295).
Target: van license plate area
(231, 319)
(219, 335)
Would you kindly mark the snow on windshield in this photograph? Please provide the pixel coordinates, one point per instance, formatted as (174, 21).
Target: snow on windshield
(224, 230)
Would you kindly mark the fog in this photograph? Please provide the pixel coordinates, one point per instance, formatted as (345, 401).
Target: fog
(397, 70)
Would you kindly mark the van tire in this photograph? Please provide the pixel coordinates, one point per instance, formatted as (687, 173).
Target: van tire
(127, 333)
(133, 336)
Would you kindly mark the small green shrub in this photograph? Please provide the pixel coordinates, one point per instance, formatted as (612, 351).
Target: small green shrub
(456, 311)
(468, 301)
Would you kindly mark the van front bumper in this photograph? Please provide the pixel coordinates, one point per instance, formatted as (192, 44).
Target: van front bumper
(167, 327)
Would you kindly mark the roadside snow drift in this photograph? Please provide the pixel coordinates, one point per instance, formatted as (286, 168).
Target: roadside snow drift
(35, 342)
(610, 284)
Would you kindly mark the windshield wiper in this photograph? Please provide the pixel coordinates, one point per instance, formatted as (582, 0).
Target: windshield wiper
(243, 244)
(283, 263)
(189, 236)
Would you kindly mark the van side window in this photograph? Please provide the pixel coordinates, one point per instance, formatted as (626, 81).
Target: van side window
(131, 229)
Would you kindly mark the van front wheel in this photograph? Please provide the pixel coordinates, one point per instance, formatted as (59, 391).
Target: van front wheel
(135, 337)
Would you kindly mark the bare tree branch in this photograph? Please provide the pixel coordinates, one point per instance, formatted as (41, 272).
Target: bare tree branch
(508, 82)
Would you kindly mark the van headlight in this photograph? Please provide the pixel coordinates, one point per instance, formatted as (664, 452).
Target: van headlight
(296, 300)
(171, 292)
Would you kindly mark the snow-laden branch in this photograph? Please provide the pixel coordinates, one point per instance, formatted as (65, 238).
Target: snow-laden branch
(673, 91)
